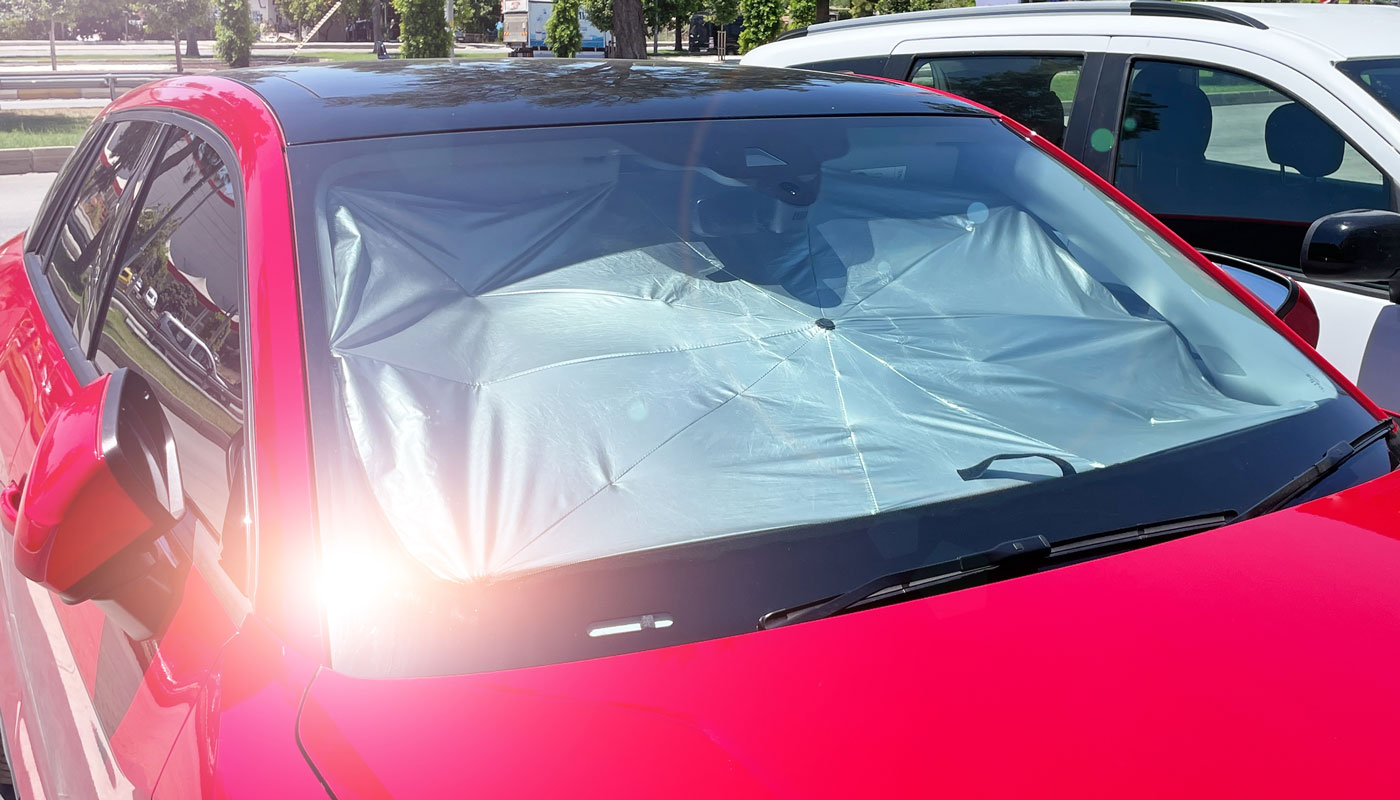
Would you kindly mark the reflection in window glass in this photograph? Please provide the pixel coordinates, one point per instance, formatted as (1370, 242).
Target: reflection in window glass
(82, 234)
(1037, 91)
(1378, 76)
(174, 318)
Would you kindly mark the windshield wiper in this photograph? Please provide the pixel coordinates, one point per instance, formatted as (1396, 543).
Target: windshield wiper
(1018, 556)
(1023, 556)
(1339, 454)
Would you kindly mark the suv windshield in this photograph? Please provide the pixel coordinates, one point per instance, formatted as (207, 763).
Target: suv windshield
(611, 387)
(1379, 76)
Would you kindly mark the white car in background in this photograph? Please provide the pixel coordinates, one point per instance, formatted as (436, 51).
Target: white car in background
(1238, 125)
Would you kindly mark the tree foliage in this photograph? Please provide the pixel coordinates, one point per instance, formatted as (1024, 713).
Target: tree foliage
(176, 15)
(476, 16)
(304, 13)
(423, 29)
(763, 21)
(561, 32)
(722, 12)
(599, 12)
(802, 13)
(64, 11)
(865, 8)
(677, 13)
(233, 34)
(103, 18)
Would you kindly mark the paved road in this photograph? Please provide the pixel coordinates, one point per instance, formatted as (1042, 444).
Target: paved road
(20, 196)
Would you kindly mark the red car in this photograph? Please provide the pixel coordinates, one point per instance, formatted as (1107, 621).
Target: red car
(610, 430)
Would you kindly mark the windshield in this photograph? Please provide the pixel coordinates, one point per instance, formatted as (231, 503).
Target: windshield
(1379, 76)
(555, 357)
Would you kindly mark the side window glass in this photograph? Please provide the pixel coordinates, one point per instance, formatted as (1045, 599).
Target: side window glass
(1036, 91)
(85, 228)
(1219, 145)
(174, 317)
(865, 65)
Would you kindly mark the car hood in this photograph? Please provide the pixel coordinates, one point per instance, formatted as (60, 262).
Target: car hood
(1258, 659)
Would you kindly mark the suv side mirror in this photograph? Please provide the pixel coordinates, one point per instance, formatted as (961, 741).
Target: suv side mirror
(1355, 246)
(103, 491)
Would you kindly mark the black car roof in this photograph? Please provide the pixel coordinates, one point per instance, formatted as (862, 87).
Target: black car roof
(365, 99)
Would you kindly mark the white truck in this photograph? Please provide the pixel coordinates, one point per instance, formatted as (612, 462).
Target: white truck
(524, 22)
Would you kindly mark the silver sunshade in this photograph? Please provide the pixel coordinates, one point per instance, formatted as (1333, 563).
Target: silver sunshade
(523, 397)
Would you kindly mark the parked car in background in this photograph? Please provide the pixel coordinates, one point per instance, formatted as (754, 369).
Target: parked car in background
(720, 414)
(1238, 125)
(188, 346)
(702, 37)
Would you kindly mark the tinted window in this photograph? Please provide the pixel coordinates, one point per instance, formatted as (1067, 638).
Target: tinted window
(1214, 146)
(867, 65)
(1037, 91)
(185, 254)
(84, 229)
(1380, 77)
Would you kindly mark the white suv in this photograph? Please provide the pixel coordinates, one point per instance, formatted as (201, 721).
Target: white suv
(1237, 124)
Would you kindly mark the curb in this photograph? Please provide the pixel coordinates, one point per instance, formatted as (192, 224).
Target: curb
(20, 160)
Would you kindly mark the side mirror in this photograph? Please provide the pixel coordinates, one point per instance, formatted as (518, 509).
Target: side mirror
(103, 491)
(1285, 296)
(1355, 246)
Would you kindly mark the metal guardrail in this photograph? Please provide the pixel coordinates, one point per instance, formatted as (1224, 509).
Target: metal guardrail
(111, 81)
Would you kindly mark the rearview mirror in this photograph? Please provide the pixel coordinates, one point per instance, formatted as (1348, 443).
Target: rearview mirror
(103, 490)
(1355, 246)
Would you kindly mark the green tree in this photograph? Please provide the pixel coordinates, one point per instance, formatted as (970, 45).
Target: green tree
(679, 13)
(476, 16)
(763, 21)
(233, 34)
(802, 12)
(297, 11)
(179, 16)
(304, 13)
(722, 12)
(864, 8)
(53, 12)
(104, 18)
(423, 29)
(656, 13)
(561, 32)
(599, 12)
(894, 6)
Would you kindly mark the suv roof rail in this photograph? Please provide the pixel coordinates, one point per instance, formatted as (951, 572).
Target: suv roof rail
(1150, 8)
(1167, 8)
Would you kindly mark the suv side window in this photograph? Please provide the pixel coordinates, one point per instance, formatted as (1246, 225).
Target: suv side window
(864, 65)
(1233, 164)
(86, 227)
(176, 319)
(1036, 91)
